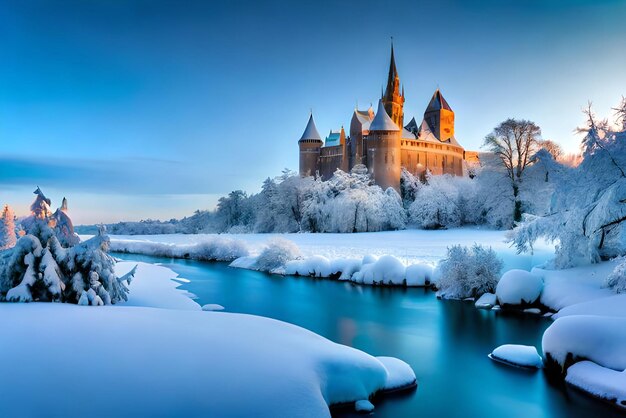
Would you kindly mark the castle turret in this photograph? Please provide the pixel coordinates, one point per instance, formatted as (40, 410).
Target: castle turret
(383, 149)
(440, 117)
(310, 144)
(393, 98)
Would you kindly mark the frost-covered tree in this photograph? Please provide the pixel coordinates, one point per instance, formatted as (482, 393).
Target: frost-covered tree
(514, 142)
(617, 279)
(588, 209)
(468, 272)
(47, 264)
(7, 228)
(349, 202)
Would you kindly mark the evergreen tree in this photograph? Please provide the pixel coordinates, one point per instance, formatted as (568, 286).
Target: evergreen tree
(7, 228)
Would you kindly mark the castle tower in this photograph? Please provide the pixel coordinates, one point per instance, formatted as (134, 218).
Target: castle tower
(393, 98)
(383, 150)
(359, 126)
(440, 117)
(310, 144)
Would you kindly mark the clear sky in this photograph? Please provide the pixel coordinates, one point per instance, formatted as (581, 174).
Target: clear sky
(153, 109)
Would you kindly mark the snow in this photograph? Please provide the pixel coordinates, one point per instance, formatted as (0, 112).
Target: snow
(486, 301)
(599, 381)
(363, 406)
(517, 355)
(610, 306)
(600, 339)
(419, 274)
(212, 307)
(386, 270)
(411, 245)
(154, 286)
(315, 266)
(517, 287)
(574, 285)
(399, 374)
(174, 360)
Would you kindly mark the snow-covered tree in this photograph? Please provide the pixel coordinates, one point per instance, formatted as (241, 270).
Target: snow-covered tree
(7, 228)
(588, 207)
(617, 279)
(47, 264)
(514, 142)
(468, 272)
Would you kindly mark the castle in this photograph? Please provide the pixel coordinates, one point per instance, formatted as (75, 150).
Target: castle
(384, 144)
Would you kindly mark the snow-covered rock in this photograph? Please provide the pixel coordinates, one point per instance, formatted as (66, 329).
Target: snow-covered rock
(486, 301)
(517, 287)
(315, 266)
(599, 381)
(399, 374)
(419, 274)
(386, 270)
(363, 405)
(600, 339)
(517, 355)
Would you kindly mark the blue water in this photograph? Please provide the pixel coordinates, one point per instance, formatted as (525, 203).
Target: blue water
(446, 342)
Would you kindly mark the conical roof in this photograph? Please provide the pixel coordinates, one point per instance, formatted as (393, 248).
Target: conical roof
(311, 130)
(382, 121)
(437, 102)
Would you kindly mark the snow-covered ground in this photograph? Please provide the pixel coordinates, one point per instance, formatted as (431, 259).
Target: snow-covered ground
(160, 355)
(410, 246)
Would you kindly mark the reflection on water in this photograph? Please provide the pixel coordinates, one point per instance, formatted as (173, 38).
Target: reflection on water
(446, 342)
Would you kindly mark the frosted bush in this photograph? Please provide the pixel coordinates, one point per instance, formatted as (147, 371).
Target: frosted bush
(386, 270)
(617, 279)
(468, 272)
(419, 274)
(276, 254)
(7, 228)
(214, 249)
(315, 266)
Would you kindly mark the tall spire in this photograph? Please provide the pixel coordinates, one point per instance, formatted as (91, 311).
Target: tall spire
(393, 98)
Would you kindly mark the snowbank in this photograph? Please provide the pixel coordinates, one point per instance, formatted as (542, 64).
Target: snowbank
(599, 381)
(386, 270)
(419, 275)
(517, 287)
(217, 248)
(575, 285)
(411, 246)
(610, 306)
(166, 362)
(517, 355)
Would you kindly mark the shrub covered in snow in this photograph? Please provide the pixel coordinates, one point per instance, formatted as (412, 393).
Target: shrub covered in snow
(519, 287)
(276, 254)
(419, 274)
(468, 272)
(617, 279)
(315, 266)
(47, 265)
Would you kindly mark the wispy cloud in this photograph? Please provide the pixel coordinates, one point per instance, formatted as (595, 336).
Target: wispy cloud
(123, 176)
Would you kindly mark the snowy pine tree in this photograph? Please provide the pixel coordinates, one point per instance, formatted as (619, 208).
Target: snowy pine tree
(7, 228)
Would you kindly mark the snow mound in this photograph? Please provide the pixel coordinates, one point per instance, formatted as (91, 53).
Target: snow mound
(315, 266)
(600, 339)
(399, 374)
(281, 369)
(419, 274)
(518, 287)
(599, 381)
(486, 301)
(386, 270)
(611, 306)
(363, 406)
(517, 355)
(212, 307)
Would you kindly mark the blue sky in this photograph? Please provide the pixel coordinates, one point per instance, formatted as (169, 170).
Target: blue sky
(153, 109)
